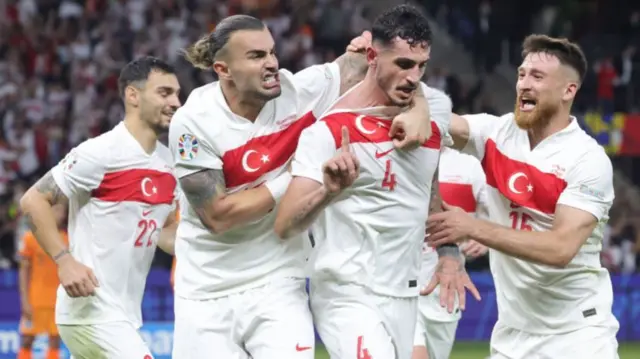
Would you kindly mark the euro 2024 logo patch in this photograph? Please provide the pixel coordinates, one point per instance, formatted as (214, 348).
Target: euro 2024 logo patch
(188, 146)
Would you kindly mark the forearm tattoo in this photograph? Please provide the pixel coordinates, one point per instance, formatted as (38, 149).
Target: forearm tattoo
(353, 68)
(435, 203)
(49, 188)
(201, 188)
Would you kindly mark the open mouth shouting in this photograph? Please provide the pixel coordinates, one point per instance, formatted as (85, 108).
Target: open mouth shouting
(527, 104)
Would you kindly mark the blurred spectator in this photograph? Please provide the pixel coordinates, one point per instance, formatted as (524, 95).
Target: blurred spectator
(624, 87)
(438, 80)
(606, 78)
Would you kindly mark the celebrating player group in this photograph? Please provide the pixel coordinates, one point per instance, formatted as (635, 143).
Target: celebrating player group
(394, 188)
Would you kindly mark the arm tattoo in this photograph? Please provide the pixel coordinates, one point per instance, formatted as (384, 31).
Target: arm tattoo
(49, 188)
(435, 204)
(303, 219)
(448, 250)
(30, 223)
(201, 187)
(353, 68)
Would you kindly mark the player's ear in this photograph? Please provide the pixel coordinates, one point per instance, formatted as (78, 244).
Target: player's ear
(132, 96)
(222, 69)
(372, 56)
(570, 91)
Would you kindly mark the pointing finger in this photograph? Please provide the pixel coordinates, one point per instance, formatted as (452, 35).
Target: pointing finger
(345, 139)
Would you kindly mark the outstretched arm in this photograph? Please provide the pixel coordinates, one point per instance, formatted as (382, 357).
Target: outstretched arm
(580, 208)
(459, 130)
(220, 212)
(556, 248)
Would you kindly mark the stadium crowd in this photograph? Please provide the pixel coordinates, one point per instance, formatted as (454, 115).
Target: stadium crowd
(59, 62)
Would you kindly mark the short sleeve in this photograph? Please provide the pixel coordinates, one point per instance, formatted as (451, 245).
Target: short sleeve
(480, 128)
(189, 148)
(318, 87)
(27, 246)
(440, 107)
(590, 185)
(82, 170)
(479, 186)
(315, 147)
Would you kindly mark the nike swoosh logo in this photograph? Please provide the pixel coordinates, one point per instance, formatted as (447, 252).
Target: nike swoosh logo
(145, 213)
(382, 154)
(301, 349)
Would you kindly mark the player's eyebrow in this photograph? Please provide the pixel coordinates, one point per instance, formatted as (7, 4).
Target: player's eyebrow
(406, 62)
(168, 89)
(256, 52)
(532, 70)
(259, 53)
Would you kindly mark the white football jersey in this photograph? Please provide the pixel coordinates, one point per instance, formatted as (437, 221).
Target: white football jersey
(119, 199)
(205, 134)
(524, 187)
(372, 233)
(462, 184)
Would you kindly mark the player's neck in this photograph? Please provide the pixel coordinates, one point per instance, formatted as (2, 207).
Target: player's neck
(557, 123)
(367, 94)
(145, 135)
(240, 105)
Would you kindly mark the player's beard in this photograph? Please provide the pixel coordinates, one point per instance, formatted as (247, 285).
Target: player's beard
(540, 115)
(263, 95)
(154, 118)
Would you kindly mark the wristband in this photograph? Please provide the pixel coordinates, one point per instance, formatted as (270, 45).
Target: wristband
(278, 186)
(60, 255)
(448, 249)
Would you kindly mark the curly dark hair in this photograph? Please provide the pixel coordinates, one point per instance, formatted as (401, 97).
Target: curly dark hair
(403, 21)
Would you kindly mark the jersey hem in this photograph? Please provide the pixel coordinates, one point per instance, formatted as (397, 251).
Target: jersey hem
(215, 294)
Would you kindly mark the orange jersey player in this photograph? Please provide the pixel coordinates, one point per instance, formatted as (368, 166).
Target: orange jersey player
(173, 272)
(38, 279)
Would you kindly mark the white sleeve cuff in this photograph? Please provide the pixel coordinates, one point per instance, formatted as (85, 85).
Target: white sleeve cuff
(278, 186)
(58, 177)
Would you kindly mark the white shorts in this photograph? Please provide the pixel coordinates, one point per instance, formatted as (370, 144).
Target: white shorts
(595, 342)
(108, 340)
(269, 322)
(437, 337)
(436, 327)
(353, 322)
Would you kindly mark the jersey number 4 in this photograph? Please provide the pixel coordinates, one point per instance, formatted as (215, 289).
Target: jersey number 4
(389, 180)
(147, 227)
